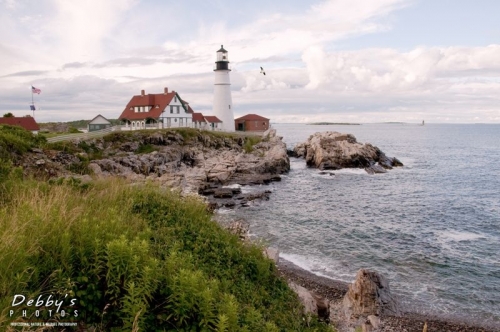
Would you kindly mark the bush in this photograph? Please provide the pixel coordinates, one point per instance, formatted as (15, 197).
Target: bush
(250, 141)
(15, 140)
(73, 130)
(136, 258)
(145, 148)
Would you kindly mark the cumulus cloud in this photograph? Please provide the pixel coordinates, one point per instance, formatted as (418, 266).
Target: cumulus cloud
(388, 70)
(85, 67)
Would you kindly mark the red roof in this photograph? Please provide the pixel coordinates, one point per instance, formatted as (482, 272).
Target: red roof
(212, 118)
(252, 117)
(26, 122)
(198, 117)
(158, 103)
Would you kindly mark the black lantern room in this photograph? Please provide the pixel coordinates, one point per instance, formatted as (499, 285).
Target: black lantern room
(222, 62)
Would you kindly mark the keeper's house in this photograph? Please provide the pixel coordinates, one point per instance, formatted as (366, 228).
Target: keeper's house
(251, 122)
(163, 110)
(98, 123)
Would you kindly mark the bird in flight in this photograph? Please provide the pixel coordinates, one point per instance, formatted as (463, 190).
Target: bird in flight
(262, 71)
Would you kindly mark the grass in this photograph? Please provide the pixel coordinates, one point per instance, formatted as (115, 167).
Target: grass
(127, 257)
(250, 141)
(154, 260)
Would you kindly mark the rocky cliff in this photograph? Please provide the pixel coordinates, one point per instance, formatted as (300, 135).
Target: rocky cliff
(192, 160)
(333, 150)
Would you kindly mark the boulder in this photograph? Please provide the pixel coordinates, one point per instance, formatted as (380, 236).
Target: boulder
(332, 150)
(375, 169)
(374, 321)
(272, 253)
(223, 193)
(369, 295)
(313, 303)
(240, 228)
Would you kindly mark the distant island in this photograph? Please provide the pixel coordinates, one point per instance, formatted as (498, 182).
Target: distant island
(334, 123)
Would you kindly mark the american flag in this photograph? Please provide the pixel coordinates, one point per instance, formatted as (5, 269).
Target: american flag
(35, 90)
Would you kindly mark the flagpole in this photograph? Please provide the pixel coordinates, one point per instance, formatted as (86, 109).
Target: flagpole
(32, 102)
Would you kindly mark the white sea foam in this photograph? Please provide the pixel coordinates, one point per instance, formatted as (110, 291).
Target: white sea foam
(235, 185)
(314, 265)
(460, 236)
(357, 171)
(224, 210)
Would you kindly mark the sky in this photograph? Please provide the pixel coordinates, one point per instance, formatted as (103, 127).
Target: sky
(356, 61)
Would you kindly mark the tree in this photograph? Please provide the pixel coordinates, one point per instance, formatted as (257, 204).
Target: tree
(8, 115)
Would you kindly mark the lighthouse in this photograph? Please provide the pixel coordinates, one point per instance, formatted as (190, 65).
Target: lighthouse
(222, 91)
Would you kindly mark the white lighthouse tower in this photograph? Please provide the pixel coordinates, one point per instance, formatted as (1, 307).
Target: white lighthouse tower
(222, 91)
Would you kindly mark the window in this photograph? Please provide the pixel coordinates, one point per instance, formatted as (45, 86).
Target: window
(171, 110)
(178, 109)
(175, 98)
(229, 106)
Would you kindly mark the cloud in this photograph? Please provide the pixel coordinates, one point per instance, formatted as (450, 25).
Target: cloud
(88, 68)
(75, 65)
(27, 73)
(390, 71)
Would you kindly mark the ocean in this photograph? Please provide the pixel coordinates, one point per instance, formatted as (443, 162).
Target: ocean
(431, 227)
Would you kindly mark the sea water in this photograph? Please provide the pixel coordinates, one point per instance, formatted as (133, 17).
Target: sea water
(431, 227)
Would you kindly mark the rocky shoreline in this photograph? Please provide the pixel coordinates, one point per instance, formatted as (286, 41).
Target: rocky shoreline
(190, 160)
(334, 291)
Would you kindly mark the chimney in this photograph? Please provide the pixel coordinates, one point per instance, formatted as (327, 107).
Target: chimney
(165, 90)
(142, 93)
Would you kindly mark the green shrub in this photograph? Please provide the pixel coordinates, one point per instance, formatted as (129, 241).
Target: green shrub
(73, 130)
(250, 141)
(16, 140)
(137, 258)
(145, 148)
(64, 146)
